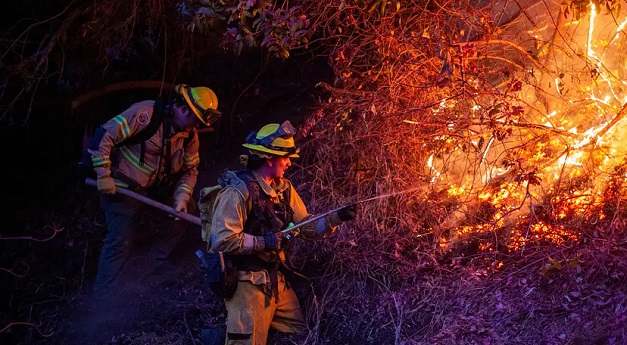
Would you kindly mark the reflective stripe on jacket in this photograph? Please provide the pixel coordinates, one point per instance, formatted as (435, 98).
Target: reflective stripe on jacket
(123, 162)
(230, 214)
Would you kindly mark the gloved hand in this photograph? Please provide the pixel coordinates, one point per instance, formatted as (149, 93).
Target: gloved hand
(180, 205)
(347, 213)
(106, 185)
(272, 240)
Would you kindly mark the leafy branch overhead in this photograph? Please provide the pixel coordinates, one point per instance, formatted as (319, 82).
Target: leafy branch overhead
(272, 25)
(83, 45)
(78, 46)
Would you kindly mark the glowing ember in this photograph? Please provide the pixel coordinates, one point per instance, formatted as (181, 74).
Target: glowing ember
(543, 161)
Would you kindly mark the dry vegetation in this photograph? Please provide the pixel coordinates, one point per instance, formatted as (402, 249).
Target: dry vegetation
(476, 111)
(494, 133)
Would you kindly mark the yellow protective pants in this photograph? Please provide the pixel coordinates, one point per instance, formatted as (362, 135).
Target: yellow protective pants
(251, 313)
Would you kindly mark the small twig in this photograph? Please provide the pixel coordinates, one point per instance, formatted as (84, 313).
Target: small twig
(619, 116)
(10, 271)
(83, 267)
(26, 324)
(58, 36)
(54, 227)
(187, 327)
(398, 324)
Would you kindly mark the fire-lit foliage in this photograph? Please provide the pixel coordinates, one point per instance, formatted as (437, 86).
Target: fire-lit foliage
(508, 121)
(491, 131)
(504, 123)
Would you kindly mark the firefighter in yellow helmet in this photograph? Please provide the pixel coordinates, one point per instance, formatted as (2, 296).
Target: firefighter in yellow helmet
(249, 212)
(202, 101)
(152, 149)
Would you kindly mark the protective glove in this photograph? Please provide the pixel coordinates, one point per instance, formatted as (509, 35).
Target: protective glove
(180, 205)
(106, 185)
(347, 213)
(272, 240)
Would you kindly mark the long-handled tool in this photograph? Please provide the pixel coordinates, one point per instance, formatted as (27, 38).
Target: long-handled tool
(150, 202)
(196, 220)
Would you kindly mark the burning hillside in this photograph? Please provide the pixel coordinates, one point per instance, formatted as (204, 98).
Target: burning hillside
(511, 118)
(483, 137)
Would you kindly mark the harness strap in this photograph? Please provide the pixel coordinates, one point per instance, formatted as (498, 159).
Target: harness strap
(260, 210)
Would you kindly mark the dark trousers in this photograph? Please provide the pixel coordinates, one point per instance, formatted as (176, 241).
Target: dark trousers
(122, 214)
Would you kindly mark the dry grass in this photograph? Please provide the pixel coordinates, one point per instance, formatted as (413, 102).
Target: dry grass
(527, 252)
(506, 260)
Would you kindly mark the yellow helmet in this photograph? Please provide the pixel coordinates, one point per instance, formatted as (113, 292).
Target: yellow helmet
(203, 102)
(273, 139)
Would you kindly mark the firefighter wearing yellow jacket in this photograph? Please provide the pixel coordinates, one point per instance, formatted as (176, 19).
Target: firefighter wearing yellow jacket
(249, 213)
(166, 162)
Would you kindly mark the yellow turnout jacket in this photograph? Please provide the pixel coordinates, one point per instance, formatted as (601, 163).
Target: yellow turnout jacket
(123, 162)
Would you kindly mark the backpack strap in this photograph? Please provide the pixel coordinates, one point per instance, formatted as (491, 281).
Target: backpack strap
(153, 126)
(159, 113)
(155, 122)
(233, 179)
(251, 186)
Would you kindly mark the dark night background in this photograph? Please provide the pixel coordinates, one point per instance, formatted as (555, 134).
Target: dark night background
(42, 135)
(376, 89)
(42, 139)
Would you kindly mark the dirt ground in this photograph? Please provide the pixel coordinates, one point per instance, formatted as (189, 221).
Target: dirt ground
(577, 298)
(47, 281)
(52, 280)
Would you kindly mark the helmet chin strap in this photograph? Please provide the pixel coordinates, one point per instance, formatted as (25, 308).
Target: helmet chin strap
(263, 172)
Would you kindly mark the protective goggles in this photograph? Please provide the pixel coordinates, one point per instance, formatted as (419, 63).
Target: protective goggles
(284, 131)
(209, 115)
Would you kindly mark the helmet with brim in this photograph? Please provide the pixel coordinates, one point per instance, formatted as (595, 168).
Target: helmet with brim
(273, 139)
